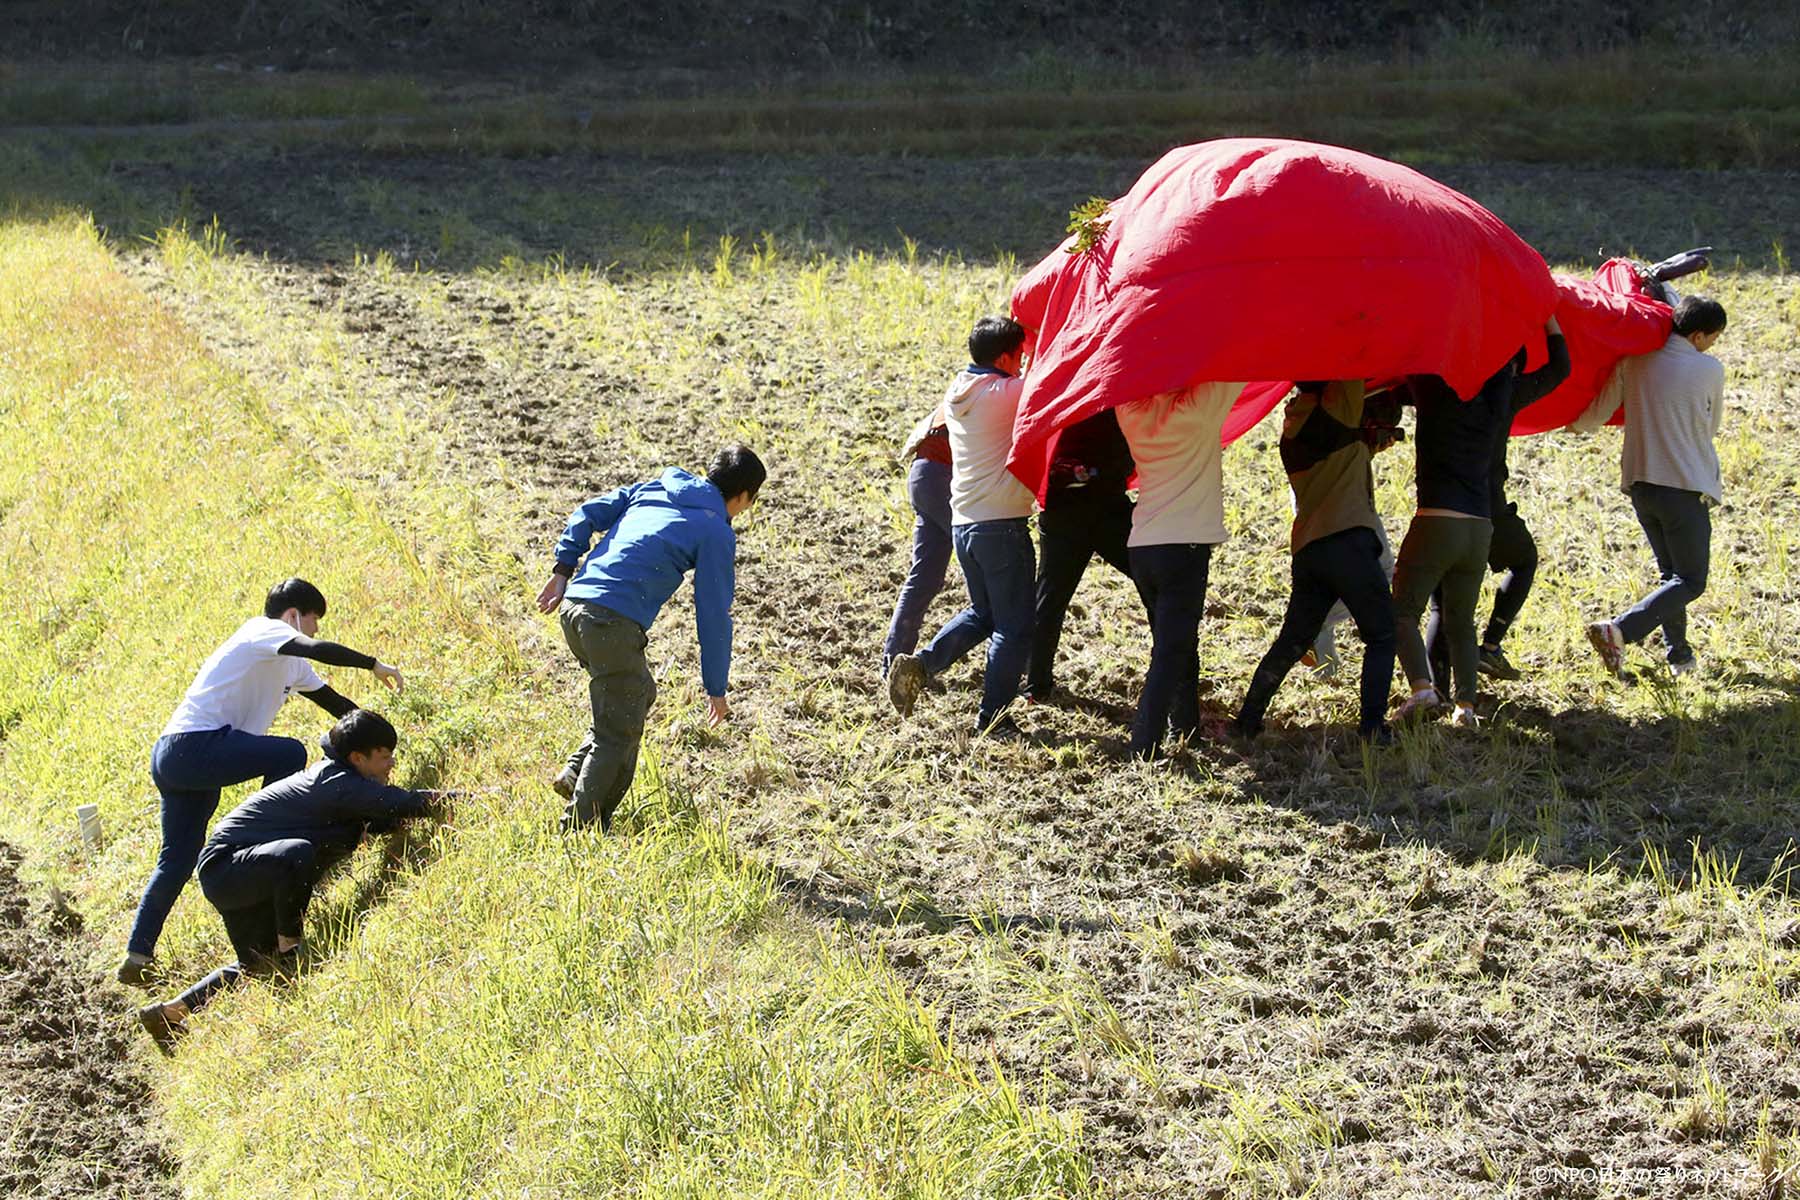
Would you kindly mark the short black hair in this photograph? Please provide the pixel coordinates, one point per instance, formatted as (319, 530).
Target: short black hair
(360, 731)
(994, 337)
(736, 469)
(1699, 314)
(294, 593)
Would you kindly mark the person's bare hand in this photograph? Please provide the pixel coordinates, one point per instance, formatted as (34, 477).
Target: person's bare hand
(552, 594)
(390, 676)
(718, 710)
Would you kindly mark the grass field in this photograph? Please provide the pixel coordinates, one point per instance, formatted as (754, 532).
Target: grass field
(833, 953)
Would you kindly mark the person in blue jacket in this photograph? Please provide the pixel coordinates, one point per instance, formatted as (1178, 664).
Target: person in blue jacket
(651, 535)
(261, 863)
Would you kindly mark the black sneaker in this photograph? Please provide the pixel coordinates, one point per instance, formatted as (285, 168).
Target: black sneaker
(1005, 729)
(1493, 663)
(164, 1032)
(1381, 735)
(136, 974)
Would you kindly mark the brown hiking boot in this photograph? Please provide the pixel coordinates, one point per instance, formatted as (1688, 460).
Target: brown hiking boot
(133, 973)
(906, 679)
(164, 1032)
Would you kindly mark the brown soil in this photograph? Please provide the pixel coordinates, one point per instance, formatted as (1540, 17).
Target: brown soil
(75, 1118)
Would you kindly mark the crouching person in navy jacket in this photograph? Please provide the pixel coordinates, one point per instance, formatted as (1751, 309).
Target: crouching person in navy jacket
(259, 867)
(651, 535)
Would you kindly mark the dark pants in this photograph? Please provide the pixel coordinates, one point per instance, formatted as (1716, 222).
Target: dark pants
(261, 892)
(620, 692)
(1172, 580)
(1679, 527)
(1451, 553)
(1344, 566)
(999, 565)
(928, 487)
(1511, 550)
(189, 770)
(1069, 536)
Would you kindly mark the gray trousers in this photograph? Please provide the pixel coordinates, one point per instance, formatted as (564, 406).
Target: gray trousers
(1449, 553)
(1680, 531)
(621, 691)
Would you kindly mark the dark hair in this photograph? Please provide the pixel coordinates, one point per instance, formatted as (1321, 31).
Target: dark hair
(994, 337)
(736, 469)
(294, 593)
(360, 731)
(1699, 314)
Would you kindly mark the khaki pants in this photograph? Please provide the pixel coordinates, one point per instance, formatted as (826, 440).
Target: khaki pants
(1448, 553)
(621, 691)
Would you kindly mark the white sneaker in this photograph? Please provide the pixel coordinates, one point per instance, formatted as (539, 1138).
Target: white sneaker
(1419, 705)
(1686, 667)
(1465, 717)
(1609, 644)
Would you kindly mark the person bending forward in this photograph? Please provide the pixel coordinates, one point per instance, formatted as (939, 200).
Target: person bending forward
(217, 737)
(260, 865)
(651, 535)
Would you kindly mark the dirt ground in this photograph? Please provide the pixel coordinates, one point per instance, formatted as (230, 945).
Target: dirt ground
(1287, 965)
(75, 1117)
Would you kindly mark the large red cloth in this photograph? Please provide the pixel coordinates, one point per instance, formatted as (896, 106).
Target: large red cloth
(1604, 319)
(1267, 259)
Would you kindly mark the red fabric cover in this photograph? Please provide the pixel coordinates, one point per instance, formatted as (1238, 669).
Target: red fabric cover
(1604, 319)
(1267, 259)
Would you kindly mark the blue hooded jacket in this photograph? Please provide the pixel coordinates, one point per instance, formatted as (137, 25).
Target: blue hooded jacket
(655, 533)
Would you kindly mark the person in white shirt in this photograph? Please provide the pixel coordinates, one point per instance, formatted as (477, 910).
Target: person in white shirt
(990, 513)
(1180, 517)
(217, 738)
(1674, 401)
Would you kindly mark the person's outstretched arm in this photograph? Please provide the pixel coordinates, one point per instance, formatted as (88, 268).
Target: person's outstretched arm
(594, 517)
(715, 585)
(1533, 386)
(332, 654)
(329, 699)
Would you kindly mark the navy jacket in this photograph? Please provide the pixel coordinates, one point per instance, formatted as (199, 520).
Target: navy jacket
(328, 805)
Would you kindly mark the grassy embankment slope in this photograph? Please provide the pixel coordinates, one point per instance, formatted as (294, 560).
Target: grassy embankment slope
(492, 1008)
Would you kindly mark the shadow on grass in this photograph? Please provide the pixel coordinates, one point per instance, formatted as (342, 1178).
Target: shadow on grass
(1572, 787)
(457, 213)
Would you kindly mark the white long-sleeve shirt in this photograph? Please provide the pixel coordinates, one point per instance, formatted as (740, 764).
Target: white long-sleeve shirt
(1674, 401)
(979, 407)
(1174, 440)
